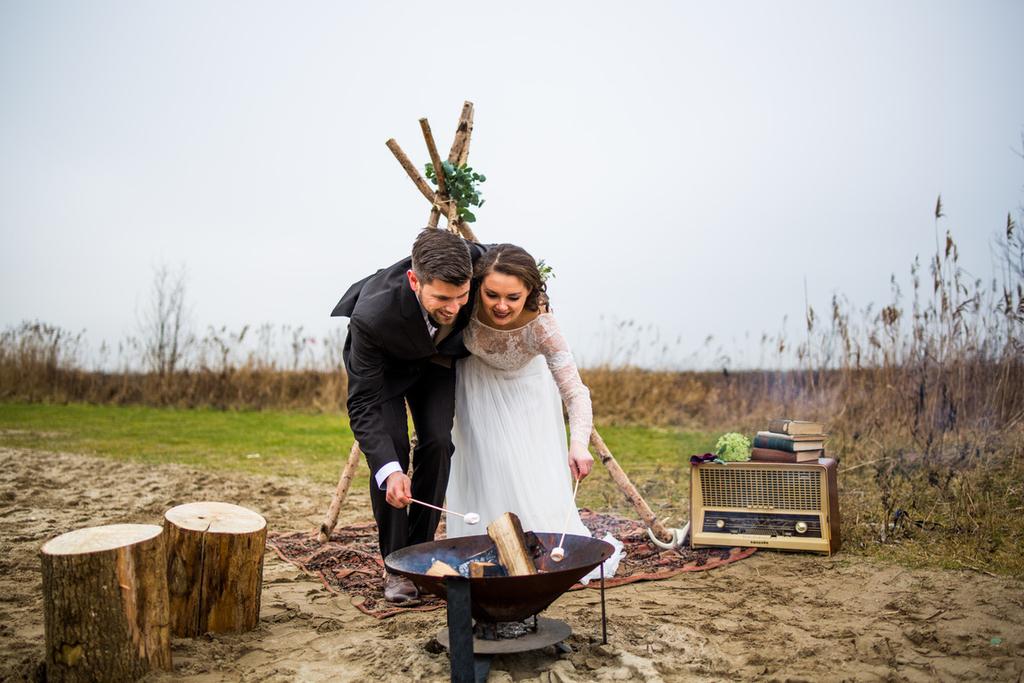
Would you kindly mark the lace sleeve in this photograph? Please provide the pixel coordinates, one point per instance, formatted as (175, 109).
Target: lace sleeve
(574, 393)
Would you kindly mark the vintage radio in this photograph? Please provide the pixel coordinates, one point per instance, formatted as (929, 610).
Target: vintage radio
(785, 506)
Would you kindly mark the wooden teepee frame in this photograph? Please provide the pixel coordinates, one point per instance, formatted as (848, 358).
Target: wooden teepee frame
(442, 204)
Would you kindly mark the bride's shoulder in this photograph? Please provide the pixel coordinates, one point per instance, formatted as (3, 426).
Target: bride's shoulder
(545, 325)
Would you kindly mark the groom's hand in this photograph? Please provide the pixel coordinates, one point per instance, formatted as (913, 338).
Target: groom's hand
(580, 460)
(399, 489)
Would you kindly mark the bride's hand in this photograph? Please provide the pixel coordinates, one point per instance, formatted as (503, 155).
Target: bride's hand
(580, 460)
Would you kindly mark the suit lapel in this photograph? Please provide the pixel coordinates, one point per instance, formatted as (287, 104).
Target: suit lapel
(415, 326)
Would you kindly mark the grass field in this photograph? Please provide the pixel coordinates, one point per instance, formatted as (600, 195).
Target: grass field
(964, 514)
(309, 445)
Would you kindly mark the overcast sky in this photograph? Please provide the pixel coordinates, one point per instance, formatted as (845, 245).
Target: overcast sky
(687, 166)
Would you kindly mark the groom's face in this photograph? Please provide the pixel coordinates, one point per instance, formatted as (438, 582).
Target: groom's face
(441, 300)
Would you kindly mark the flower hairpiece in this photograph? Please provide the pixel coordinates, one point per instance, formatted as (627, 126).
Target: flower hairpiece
(546, 271)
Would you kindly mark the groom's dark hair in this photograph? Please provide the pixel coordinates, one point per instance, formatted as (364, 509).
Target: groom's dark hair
(441, 255)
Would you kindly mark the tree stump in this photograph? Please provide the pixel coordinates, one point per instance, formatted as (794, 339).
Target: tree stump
(214, 567)
(105, 603)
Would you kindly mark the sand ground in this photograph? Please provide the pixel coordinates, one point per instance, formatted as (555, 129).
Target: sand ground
(772, 617)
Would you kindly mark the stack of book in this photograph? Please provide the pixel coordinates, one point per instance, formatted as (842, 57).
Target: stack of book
(790, 441)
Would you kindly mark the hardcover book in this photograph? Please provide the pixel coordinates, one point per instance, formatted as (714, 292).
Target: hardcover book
(790, 443)
(773, 455)
(795, 427)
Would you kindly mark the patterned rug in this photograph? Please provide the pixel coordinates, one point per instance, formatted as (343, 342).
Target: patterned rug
(350, 561)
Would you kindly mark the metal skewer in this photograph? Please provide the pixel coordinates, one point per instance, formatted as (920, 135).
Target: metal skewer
(470, 517)
(558, 552)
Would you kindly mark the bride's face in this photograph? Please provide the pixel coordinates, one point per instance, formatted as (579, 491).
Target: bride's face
(503, 298)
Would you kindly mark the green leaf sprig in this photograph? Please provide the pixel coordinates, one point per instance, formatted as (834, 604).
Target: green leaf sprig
(461, 184)
(546, 271)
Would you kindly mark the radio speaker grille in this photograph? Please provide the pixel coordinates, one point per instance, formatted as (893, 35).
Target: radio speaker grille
(760, 489)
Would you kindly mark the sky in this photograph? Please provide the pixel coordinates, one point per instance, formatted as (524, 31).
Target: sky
(687, 169)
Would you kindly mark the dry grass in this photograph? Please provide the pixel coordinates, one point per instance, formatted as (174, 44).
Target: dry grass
(41, 362)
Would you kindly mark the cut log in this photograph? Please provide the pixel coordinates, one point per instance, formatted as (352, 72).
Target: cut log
(484, 569)
(507, 533)
(214, 567)
(105, 603)
(440, 568)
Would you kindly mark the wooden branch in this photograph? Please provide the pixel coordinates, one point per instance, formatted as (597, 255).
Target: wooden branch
(464, 154)
(460, 145)
(628, 490)
(441, 196)
(466, 231)
(340, 492)
(435, 216)
(435, 158)
(414, 175)
(452, 216)
(459, 155)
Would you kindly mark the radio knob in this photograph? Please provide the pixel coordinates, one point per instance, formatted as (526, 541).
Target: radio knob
(720, 524)
(801, 527)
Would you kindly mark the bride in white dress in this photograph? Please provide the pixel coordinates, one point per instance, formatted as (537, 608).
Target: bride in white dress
(509, 434)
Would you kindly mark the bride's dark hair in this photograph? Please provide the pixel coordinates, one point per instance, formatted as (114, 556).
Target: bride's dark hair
(509, 259)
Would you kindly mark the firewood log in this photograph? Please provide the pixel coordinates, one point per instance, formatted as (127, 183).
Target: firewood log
(439, 568)
(484, 569)
(507, 533)
(214, 567)
(105, 603)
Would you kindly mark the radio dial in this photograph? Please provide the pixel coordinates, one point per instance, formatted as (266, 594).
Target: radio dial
(720, 524)
(801, 527)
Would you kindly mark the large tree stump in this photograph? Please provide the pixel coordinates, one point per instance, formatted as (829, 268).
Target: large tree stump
(105, 603)
(214, 567)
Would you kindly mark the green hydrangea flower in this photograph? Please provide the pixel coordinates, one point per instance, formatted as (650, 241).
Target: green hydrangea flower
(733, 447)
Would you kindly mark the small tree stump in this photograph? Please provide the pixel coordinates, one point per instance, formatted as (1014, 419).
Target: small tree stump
(105, 603)
(214, 567)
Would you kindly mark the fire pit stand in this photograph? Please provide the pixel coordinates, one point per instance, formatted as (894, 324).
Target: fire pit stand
(471, 648)
(498, 602)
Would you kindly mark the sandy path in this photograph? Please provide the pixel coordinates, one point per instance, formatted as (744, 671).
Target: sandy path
(775, 616)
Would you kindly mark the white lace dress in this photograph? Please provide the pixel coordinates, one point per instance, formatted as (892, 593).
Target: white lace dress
(509, 435)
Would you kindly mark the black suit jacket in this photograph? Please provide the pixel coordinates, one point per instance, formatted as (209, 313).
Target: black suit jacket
(387, 348)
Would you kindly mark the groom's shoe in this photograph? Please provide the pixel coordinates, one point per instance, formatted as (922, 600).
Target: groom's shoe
(399, 589)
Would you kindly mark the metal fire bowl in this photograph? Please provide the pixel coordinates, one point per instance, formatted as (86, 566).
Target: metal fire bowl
(504, 598)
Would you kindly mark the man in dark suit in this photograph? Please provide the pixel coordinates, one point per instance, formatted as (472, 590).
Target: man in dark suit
(404, 334)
